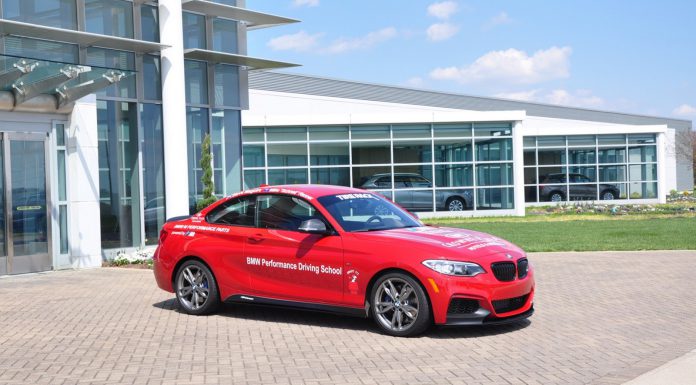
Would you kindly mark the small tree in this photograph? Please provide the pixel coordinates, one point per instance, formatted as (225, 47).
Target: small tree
(207, 177)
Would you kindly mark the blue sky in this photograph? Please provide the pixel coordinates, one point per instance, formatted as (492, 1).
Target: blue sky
(630, 56)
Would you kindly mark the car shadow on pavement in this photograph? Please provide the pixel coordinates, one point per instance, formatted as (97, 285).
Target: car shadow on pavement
(277, 314)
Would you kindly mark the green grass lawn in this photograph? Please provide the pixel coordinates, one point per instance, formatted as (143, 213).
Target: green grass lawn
(587, 234)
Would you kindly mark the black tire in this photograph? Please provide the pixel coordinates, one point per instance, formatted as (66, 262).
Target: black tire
(196, 289)
(605, 195)
(400, 320)
(559, 193)
(455, 204)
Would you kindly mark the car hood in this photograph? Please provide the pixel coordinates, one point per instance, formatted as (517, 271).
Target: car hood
(445, 242)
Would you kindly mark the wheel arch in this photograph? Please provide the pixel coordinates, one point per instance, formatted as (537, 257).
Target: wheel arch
(462, 198)
(380, 273)
(190, 258)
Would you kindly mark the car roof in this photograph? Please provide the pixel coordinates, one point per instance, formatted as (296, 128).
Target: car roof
(311, 190)
(397, 173)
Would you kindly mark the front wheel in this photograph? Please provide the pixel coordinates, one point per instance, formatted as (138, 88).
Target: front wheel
(400, 306)
(455, 204)
(196, 289)
(608, 195)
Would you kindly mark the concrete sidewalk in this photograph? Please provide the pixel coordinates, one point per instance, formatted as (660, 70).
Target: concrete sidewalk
(681, 371)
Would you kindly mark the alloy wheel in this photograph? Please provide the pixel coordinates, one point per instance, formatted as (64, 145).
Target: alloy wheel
(396, 305)
(193, 287)
(456, 205)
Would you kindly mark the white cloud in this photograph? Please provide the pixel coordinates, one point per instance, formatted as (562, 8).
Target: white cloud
(415, 81)
(308, 3)
(578, 98)
(299, 42)
(443, 10)
(441, 31)
(499, 19)
(685, 110)
(511, 66)
(362, 42)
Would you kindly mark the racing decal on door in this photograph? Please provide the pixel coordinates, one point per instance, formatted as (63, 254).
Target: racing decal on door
(300, 266)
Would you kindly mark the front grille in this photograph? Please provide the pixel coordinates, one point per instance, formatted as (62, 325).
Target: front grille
(522, 267)
(504, 271)
(462, 306)
(509, 304)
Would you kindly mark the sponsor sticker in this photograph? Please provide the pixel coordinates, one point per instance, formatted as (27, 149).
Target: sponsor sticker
(299, 266)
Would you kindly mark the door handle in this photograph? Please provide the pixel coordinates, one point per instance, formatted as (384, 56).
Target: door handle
(256, 238)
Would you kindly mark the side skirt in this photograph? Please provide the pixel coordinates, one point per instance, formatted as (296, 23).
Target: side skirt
(250, 299)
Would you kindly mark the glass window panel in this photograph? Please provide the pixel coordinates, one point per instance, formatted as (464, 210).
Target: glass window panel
(612, 173)
(552, 174)
(551, 141)
(337, 176)
(289, 176)
(51, 13)
(62, 183)
(252, 134)
(553, 193)
(496, 174)
(228, 125)
(530, 194)
(328, 133)
(371, 153)
(454, 199)
(196, 128)
(287, 155)
(492, 129)
(529, 142)
(611, 139)
(455, 130)
(415, 200)
(582, 174)
(194, 30)
(370, 132)
(582, 155)
(581, 140)
(149, 21)
(411, 131)
(453, 150)
(552, 156)
(60, 135)
(109, 17)
(530, 157)
(643, 190)
(152, 81)
(63, 228)
(153, 170)
(612, 155)
(582, 192)
(276, 134)
(413, 176)
(196, 82)
(325, 154)
(373, 178)
(642, 172)
(227, 85)
(454, 175)
(493, 149)
(41, 49)
(253, 155)
(254, 178)
(413, 152)
(225, 35)
(530, 175)
(119, 177)
(495, 198)
(641, 138)
(114, 59)
(642, 154)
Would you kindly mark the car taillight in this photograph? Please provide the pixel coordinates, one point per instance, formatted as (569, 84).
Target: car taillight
(163, 236)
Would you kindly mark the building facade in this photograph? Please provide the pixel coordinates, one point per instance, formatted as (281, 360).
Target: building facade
(103, 106)
(446, 154)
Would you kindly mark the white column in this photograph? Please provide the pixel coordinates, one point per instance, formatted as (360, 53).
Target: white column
(662, 167)
(83, 186)
(518, 167)
(174, 109)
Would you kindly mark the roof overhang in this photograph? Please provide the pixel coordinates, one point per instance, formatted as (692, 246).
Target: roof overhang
(253, 19)
(251, 63)
(84, 39)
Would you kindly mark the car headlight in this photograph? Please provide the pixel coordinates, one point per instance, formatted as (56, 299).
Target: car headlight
(463, 269)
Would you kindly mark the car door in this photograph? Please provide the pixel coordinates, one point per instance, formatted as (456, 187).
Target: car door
(285, 263)
(422, 199)
(233, 224)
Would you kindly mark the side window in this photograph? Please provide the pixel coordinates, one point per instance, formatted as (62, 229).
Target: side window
(284, 212)
(419, 181)
(401, 181)
(384, 181)
(234, 212)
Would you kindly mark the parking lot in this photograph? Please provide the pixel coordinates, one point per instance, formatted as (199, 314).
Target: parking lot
(601, 318)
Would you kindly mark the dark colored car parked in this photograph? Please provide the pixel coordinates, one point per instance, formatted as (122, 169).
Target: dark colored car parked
(553, 189)
(448, 200)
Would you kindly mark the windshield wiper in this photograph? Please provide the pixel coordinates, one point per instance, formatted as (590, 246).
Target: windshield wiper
(376, 229)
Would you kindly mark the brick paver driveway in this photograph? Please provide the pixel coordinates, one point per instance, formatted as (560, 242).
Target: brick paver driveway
(601, 318)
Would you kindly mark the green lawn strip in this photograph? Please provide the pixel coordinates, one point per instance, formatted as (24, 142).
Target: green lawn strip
(675, 233)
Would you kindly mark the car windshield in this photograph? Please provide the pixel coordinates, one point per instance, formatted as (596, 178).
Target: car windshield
(359, 212)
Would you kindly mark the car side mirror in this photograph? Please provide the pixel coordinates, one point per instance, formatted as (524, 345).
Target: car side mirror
(313, 226)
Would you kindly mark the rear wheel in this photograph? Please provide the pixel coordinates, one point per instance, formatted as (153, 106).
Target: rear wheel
(196, 289)
(556, 196)
(455, 204)
(400, 306)
(608, 195)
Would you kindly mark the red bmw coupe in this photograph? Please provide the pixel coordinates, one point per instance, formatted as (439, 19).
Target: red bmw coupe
(342, 250)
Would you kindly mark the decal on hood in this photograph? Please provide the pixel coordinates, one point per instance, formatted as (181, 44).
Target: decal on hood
(461, 239)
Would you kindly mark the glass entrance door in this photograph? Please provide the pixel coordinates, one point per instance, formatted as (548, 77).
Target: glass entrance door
(25, 214)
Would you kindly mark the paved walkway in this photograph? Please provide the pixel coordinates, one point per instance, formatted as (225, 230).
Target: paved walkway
(602, 318)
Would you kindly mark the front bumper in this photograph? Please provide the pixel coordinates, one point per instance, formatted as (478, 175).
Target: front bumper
(483, 317)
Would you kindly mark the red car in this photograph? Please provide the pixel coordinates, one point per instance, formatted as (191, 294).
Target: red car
(342, 250)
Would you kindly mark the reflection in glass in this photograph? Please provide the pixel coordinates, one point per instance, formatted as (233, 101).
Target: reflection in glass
(645, 172)
(41, 49)
(152, 81)
(371, 153)
(641, 138)
(372, 177)
(153, 170)
(28, 181)
(114, 59)
(278, 134)
(196, 129)
(411, 131)
(149, 21)
(417, 176)
(412, 152)
(553, 193)
(415, 200)
(493, 149)
(642, 154)
(495, 174)
(457, 130)
(612, 173)
(454, 199)
(252, 134)
(612, 155)
(552, 156)
(287, 176)
(194, 30)
(109, 17)
(338, 176)
(328, 133)
(582, 174)
(453, 151)
(63, 228)
(495, 198)
(530, 194)
(254, 178)
(581, 140)
(582, 192)
(325, 154)
(225, 35)
(530, 175)
(196, 82)
(370, 132)
(254, 155)
(643, 190)
(530, 157)
(551, 141)
(492, 129)
(454, 175)
(611, 139)
(227, 85)
(51, 13)
(226, 130)
(582, 156)
(287, 155)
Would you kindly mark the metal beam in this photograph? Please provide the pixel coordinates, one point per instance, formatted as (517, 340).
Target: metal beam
(251, 63)
(67, 94)
(23, 91)
(252, 19)
(19, 69)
